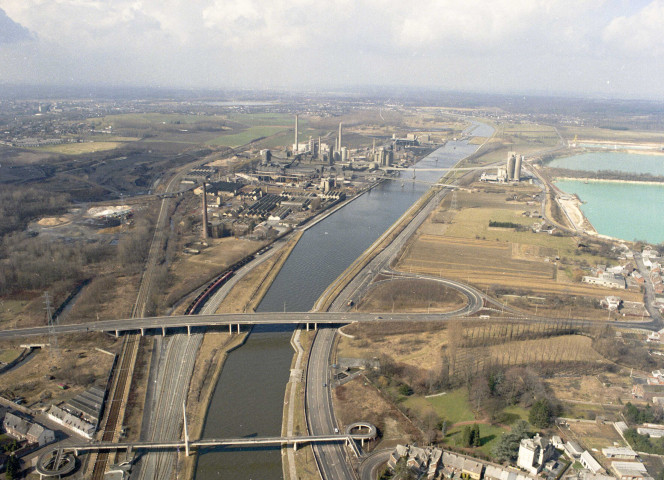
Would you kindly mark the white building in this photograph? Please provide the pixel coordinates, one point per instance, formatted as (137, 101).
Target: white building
(630, 470)
(590, 463)
(624, 453)
(69, 421)
(534, 453)
(573, 449)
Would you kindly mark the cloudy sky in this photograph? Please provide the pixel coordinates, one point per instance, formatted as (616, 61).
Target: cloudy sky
(595, 47)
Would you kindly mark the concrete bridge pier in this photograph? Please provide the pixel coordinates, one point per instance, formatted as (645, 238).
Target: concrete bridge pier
(142, 332)
(163, 331)
(238, 328)
(315, 326)
(189, 330)
(295, 446)
(230, 328)
(117, 334)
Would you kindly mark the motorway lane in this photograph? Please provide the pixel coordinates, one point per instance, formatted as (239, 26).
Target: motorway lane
(320, 418)
(368, 469)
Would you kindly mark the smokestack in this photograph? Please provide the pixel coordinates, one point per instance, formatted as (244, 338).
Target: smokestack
(373, 149)
(339, 149)
(296, 146)
(205, 219)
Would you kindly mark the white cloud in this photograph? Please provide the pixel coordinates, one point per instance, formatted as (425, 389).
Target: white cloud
(445, 43)
(638, 34)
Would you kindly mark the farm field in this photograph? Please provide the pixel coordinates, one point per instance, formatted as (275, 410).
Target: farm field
(82, 148)
(246, 136)
(604, 134)
(460, 244)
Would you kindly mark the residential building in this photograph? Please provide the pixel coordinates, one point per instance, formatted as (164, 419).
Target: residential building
(573, 449)
(606, 279)
(590, 463)
(23, 429)
(71, 422)
(630, 470)
(651, 432)
(624, 453)
(472, 469)
(534, 453)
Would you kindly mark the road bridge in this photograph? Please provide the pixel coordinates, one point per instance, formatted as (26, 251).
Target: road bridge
(354, 432)
(235, 321)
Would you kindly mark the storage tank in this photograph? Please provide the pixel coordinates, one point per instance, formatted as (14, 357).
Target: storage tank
(517, 167)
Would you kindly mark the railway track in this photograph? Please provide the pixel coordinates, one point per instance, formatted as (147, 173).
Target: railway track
(121, 379)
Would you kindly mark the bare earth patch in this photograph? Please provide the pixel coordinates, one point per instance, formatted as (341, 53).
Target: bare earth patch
(359, 400)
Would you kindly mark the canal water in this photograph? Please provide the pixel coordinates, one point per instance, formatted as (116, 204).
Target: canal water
(248, 400)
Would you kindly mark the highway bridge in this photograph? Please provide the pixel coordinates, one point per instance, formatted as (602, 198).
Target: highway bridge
(235, 321)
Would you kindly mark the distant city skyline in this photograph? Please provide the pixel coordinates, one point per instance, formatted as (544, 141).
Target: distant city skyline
(609, 48)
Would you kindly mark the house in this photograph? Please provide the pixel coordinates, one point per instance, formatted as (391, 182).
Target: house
(434, 463)
(534, 453)
(557, 442)
(623, 453)
(590, 463)
(495, 472)
(71, 422)
(620, 427)
(609, 280)
(472, 469)
(23, 429)
(417, 459)
(452, 462)
(630, 470)
(573, 449)
(399, 452)
(651, 432)
(647, 391)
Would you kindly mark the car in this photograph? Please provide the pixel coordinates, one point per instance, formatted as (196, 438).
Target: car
(336, 430)
(324, 385)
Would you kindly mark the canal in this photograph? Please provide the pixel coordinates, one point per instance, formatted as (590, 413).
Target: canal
(248, 400)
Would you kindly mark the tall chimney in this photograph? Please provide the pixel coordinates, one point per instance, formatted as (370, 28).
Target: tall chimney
(296, 146)
(339, 148)
(205, 219)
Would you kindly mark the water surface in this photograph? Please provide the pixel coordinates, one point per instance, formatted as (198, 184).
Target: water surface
(630, 211)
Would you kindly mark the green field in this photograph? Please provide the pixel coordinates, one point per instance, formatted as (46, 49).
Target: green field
(147, 120)
(267, 119)
(453, 406)
(246, 136)
(489, 435)
(475, 222)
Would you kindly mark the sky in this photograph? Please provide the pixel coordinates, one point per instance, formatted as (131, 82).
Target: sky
(599, 48)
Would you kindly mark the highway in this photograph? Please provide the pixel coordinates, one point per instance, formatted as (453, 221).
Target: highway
(331, 459)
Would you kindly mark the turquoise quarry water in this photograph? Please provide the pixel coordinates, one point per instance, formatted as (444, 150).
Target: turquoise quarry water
(617, 161)
(631, 211)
